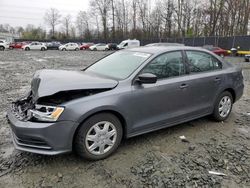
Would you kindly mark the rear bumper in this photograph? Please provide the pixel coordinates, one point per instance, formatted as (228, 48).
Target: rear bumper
(42, 138)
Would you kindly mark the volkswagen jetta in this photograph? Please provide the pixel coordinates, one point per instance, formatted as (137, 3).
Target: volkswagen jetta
(125, 94)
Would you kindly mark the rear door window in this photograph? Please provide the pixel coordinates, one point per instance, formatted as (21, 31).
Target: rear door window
(202, 62)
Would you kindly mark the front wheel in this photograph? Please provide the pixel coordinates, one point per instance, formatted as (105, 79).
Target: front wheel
(77, 49)
(223, 106)
(27, 49)
(2, 48)
(98, 137)
(42, 49)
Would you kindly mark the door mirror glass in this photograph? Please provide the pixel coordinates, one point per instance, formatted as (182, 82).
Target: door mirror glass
(147, 78)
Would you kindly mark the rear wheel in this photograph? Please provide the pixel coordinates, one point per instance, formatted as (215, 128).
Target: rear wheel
(98, 137)
(95, 49)
(2, 48)
(64, 49)
(42, 49)
(27, 48)
(76, 49)
(223, 106)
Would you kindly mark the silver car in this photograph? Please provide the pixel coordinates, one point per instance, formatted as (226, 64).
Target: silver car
(125, 94)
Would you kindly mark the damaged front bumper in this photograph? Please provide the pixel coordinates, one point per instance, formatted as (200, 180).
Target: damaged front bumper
(49, 138)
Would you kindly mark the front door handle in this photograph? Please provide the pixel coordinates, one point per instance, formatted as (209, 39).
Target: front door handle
(183, 86)
(217, 80)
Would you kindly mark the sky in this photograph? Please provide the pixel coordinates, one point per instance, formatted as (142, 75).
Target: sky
(23, 12)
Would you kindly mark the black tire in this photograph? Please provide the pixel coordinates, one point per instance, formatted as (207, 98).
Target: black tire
(216, 114)
(11, 47)
(27, 49)
(95, 49)
(77, 49)
(2, 48)
(64, 49)
(42, 49)
(80, 138)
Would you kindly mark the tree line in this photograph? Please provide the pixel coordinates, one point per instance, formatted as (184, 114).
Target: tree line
(108, 20)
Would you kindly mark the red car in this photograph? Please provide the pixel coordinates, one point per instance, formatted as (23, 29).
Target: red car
(86, 46)
(17, 45)
(217, 50)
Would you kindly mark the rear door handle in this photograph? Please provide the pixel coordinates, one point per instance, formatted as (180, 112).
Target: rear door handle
(183, 86)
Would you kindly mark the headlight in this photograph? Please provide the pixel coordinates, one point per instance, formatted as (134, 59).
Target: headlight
(46, 113)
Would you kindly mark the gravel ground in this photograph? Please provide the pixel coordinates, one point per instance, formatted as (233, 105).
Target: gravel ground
(158, 159)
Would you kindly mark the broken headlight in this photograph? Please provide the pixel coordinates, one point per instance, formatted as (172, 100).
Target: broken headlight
(46, 113)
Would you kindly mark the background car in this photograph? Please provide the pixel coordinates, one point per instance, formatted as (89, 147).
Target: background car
(217, 50)
(98, 47)
(129, 44)
(165, 44)
(53, 45)
(35, 46)
(69, 46)
(17, 45)
(247, 57)
(86, 46)
(3, 45)
(111, 46)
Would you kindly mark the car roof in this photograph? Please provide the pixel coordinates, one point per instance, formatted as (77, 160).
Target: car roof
(162, 49)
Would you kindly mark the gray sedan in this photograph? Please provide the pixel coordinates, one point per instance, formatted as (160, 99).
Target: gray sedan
(125, 94)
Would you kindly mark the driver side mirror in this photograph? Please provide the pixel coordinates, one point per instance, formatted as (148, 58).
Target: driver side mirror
(147, 78)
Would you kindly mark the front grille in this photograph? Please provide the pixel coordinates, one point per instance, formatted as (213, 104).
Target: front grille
(31, 142)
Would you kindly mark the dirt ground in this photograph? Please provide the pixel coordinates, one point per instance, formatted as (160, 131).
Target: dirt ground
(158, 159)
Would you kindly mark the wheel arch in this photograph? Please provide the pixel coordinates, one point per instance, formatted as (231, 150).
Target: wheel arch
(231, 90)
(114, 112)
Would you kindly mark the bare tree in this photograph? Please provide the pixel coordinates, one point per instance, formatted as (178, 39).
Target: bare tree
(83, 23)
(52, 19)
(66, 22)
(119, 19)
(103, 6)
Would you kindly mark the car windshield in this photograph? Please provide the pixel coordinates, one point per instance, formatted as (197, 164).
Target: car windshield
(122, 43)
(119, 65)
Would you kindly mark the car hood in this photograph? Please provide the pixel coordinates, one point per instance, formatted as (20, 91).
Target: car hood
(48, 82)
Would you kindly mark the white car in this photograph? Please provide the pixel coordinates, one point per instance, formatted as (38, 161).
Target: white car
(99, 47)
(69, 46)
(129, 44)
(35, 46)
(247, 58)
(3, 45)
